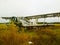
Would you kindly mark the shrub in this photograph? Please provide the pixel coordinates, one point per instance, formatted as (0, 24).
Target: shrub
(12, 37)
(45, 37)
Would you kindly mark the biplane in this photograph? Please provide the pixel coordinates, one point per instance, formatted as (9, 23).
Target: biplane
(25, 21)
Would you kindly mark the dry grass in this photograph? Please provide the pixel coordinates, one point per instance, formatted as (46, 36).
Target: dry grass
(9, 36)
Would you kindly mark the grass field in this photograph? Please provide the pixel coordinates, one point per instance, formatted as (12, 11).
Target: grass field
(9, 35)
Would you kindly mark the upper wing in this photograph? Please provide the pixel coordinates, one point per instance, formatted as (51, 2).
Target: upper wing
(6, 17)
(44, 15)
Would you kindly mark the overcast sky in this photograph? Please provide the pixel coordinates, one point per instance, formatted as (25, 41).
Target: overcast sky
(28, 7)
